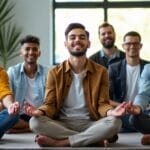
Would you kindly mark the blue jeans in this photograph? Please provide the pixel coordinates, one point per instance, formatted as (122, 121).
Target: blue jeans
(141, 122)
(126, 125)
(7, 121)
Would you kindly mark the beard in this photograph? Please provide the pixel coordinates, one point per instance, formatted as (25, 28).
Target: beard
(77, 54)
(108, 44)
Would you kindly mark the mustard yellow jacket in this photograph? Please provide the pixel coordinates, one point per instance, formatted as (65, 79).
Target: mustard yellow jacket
(95, 85)
(4, 84)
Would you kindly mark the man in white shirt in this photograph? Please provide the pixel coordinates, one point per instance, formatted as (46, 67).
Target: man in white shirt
(124, 75)
(76, 111)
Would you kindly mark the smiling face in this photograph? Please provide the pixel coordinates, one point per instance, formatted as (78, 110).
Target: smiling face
(132, 46)
(30, 52)
(107, 36)
(77, 42)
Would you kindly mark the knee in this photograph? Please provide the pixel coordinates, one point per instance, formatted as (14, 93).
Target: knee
(35, 124)
(116, 123)
(8, 120)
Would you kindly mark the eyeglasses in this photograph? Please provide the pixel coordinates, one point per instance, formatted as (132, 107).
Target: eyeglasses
(135, 44)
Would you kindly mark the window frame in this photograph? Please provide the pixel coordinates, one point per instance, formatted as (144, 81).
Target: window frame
(105, 5)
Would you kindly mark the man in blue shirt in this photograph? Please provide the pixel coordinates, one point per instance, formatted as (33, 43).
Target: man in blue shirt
(140, 110)
(27, 80)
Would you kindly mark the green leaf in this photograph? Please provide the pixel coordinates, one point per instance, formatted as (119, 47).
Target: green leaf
(9, 33)
(9, 42)
(5, 11)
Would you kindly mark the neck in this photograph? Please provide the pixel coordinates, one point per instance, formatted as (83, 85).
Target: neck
(30, 70)
(132, 61)
(77, 63)
(109, 52)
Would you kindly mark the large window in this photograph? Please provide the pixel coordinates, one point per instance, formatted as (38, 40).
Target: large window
(123, 15)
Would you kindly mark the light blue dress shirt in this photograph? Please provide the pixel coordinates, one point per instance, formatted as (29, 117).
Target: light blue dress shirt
(143, 97)
(18, 82)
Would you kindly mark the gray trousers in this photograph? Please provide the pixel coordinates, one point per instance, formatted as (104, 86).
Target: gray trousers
(79, 132)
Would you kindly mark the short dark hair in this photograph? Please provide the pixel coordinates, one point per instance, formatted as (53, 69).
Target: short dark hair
(30, 39)
(105, 24)
(132, 33)
(72, 26)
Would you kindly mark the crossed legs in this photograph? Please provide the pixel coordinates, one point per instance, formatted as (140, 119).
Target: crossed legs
(56, 133)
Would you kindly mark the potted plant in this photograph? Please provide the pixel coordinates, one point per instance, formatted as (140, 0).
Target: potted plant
(9, 33)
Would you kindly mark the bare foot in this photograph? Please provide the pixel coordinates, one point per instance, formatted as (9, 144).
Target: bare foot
(103, 143)
(145, 139)
(45, 141)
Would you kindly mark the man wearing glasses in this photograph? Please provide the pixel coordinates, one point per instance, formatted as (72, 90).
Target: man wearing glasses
(124, 75)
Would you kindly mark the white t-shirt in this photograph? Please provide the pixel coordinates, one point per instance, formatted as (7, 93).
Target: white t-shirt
(132, 81)
(74, 104)
(32, 94)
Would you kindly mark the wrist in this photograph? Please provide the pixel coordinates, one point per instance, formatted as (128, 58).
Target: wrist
(41, 112)
(109, 112)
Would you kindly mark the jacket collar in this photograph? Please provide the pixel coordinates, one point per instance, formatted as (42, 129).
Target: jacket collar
(22, 68)
(88, 67)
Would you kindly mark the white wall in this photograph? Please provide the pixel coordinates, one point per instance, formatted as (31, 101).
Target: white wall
(34, 17)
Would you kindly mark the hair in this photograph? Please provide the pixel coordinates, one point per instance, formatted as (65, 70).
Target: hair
(132, 33)
(30, 39)
(105, 24)
(72, 26)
